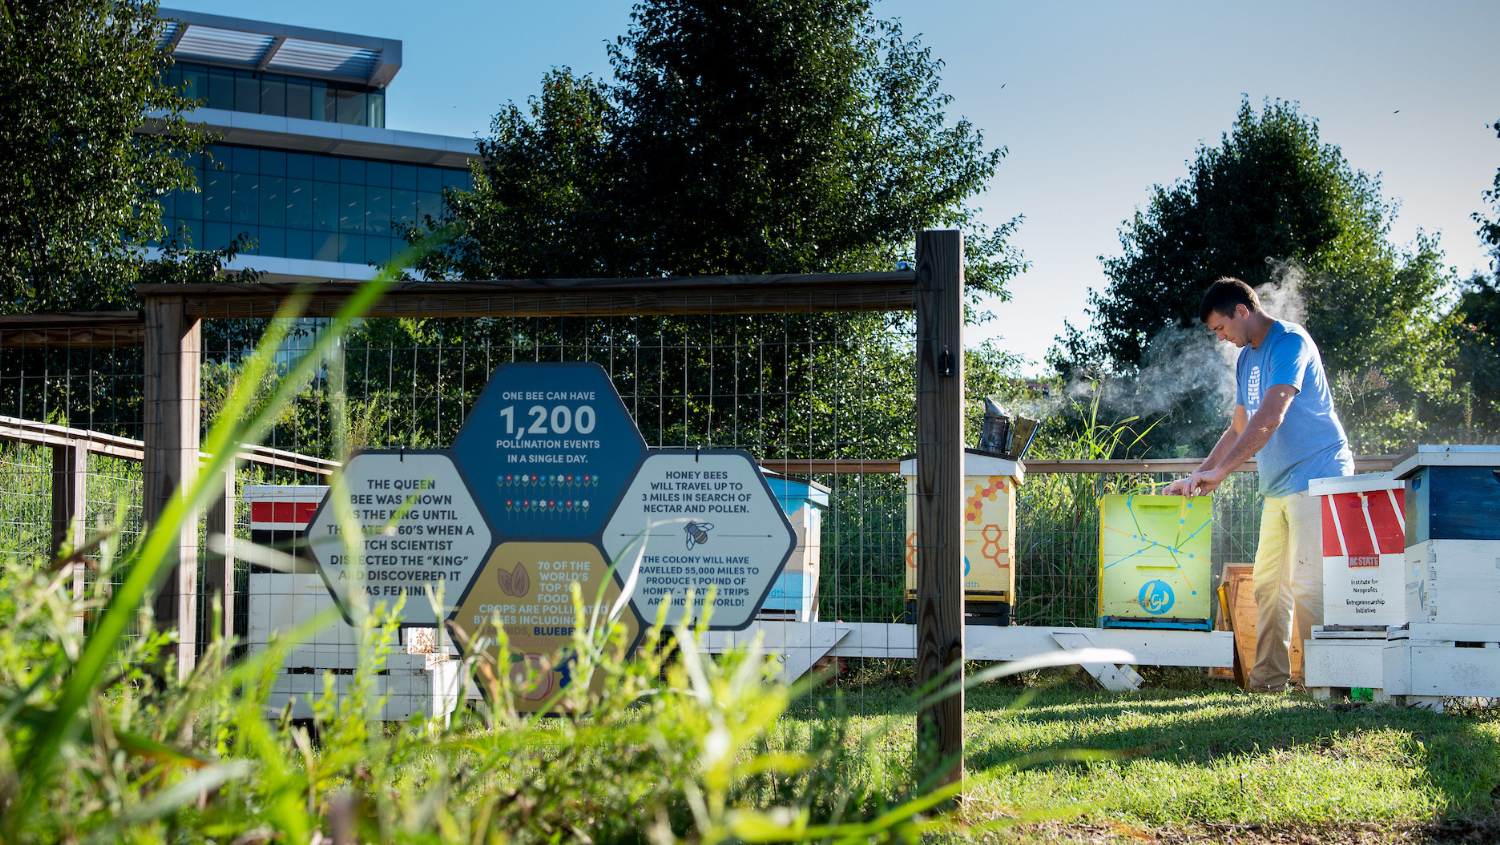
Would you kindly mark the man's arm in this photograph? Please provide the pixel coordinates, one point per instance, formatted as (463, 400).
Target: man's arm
(1257, 431)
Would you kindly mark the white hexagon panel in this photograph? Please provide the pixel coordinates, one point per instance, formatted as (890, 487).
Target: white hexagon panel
(419, 527)
(698, 520)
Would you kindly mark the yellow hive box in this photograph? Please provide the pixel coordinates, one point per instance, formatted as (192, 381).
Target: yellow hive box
(990, 484)
(1155, 561)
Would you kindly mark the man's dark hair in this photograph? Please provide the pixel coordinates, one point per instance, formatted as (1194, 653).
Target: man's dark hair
(1225, 295)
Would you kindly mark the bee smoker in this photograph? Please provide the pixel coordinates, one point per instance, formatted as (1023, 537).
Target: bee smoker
(995, 430)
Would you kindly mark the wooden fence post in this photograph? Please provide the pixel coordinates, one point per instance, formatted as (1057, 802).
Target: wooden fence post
(170, 464)
(70, 465)
(939, 487)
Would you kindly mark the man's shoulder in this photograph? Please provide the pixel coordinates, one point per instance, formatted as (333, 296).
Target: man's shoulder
(1289, 338)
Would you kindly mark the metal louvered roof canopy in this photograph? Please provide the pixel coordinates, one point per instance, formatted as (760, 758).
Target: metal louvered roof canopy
(300, 51)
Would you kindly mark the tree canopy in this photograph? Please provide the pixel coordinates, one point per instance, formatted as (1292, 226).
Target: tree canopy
(1478, 316)
(1276, 206)
(78, 194)
(758, 137)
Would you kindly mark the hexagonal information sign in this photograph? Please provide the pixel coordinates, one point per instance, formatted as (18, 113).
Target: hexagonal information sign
(526, 588)
(710, 520)
(441, 537)
(547, 448)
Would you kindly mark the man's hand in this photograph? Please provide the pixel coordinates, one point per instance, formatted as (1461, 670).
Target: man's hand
(1206, 482)
(1198, 484)
(1180, 487)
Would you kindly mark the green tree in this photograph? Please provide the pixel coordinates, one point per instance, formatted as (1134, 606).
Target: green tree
(1275, 205)
(78, 197)
(1478, 327)
(760, 137)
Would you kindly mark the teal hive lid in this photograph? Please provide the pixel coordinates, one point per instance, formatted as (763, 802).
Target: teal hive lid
(1446, 456)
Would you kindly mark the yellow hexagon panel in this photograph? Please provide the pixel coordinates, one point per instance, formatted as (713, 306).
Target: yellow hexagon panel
(527, 588)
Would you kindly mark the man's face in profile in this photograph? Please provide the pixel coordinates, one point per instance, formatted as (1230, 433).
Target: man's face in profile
(1234, 328)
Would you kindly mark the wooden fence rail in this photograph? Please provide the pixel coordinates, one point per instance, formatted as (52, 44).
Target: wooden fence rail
(70, 449)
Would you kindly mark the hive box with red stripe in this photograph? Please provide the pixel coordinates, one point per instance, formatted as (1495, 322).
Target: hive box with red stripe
(414, 680)
(1364, 582)
(279, 515)
(1364, 550)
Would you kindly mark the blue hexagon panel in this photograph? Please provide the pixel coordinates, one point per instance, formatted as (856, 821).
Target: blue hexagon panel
(548, 448)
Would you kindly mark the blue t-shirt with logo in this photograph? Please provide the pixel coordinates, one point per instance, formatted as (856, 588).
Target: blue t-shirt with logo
(1310, 441)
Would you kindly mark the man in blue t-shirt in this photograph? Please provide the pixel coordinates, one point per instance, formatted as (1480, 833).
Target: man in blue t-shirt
(1284, 418)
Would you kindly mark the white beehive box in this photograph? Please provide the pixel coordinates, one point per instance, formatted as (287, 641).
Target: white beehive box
(1453, 582)
(415, 681)
(1442, 670)
(1330, 664)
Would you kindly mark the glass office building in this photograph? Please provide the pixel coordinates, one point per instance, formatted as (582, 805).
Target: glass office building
(307, 205)
(278, 95)
(306, 169)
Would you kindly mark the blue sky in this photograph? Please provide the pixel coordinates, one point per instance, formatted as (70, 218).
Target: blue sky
(1100, 101)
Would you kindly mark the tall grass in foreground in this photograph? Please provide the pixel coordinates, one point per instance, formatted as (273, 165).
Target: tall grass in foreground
(99, 742)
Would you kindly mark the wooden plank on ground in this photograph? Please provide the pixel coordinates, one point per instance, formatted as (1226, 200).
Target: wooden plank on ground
(1240, 589)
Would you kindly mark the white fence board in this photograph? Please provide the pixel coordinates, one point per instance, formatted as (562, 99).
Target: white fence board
(986, 642)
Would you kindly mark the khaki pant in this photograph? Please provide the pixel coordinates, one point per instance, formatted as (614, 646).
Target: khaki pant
(1288, 575)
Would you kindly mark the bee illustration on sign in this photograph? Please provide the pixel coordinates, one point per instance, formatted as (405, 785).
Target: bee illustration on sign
(697, 533)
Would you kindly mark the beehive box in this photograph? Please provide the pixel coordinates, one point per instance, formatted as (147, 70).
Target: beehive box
(1364, 555)
(1452, 534)
(989, 577)
(794, 595)
(415, 682)
(1332, 664)
(410, 683)
(278, 517)
(1452, 493)
(1155, 561)
(1453, 582)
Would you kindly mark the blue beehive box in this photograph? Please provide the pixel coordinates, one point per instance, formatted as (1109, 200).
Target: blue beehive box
(1452, 493)
(794, 596)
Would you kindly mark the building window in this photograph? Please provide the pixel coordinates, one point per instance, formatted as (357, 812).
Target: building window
(279, 96)
(307, 205)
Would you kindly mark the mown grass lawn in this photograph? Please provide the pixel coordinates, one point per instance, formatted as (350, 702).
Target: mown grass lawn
(1196, 758)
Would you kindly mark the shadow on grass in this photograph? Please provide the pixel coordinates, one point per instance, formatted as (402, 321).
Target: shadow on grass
(1211, 754)
(1455, 759)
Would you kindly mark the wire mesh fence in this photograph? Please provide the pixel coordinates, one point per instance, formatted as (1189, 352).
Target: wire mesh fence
(96, 387)
(800, 387)
(25, 500)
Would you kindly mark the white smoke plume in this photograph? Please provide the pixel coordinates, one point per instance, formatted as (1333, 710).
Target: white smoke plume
(1188, 372)
(1282, 296)
(1180, 364)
